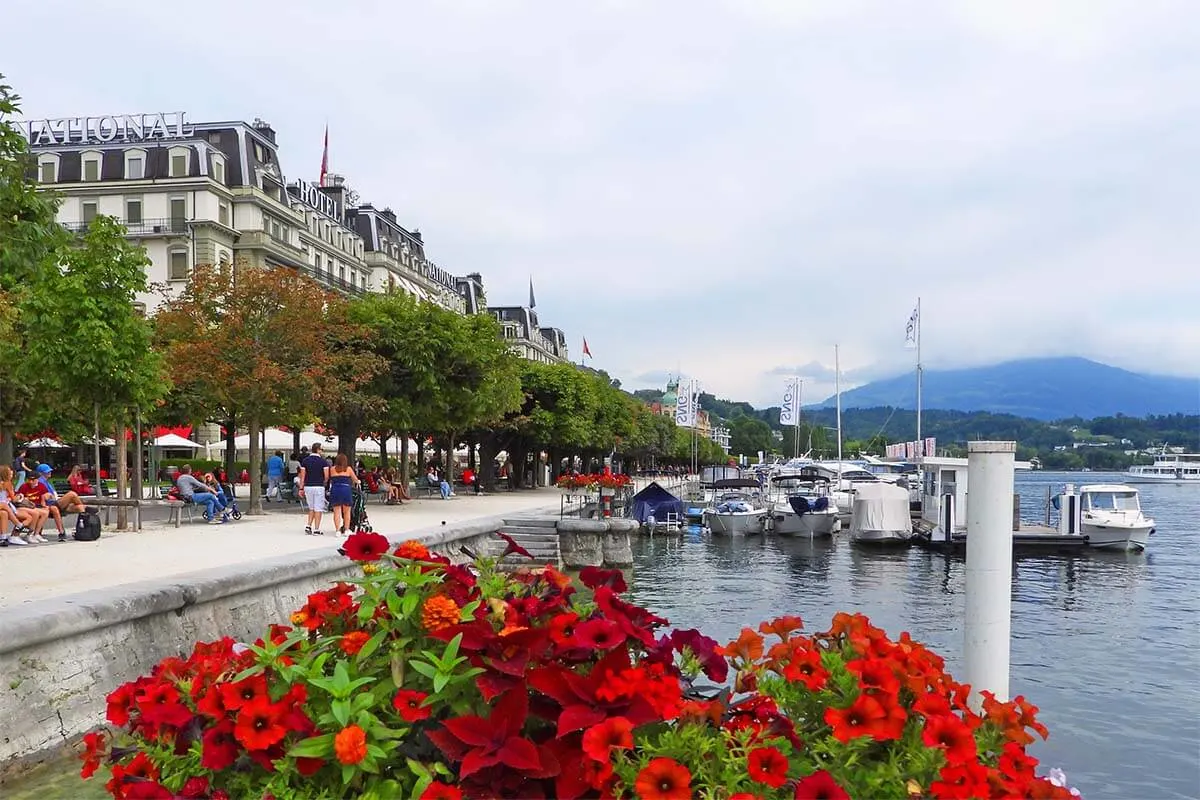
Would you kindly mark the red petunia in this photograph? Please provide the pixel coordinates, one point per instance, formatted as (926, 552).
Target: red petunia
(951, 733)
(805, 667)
(862, 718)
(595, 577)
(352, 642)
(245, 692)
(160, 704)
(744, 796)
(768, 765)
(511, 547)
(309, 766)
(781, 626)
(441, 791)
(614, 733)
(93, 748)
(365, 546)
(220, 747)
(598, 634)
(195, 787)
(145, 790)
(960, 782)
(260, 725)
(120, 701)
(408, 703)
(664, 779)
(820, 786)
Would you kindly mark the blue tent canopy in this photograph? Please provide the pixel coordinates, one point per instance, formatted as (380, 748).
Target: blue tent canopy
(655, 501)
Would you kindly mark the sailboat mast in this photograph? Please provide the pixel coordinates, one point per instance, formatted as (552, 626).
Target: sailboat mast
(920, 441)
(837, 382)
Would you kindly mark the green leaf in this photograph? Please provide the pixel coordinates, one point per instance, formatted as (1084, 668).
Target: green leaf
(314, 747)
(439, 681)
(341, 712)
(426, 669)
(370, 647)
(409, 603)
(417, 768)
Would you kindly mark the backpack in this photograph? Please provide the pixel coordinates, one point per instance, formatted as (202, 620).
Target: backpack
(87, 527)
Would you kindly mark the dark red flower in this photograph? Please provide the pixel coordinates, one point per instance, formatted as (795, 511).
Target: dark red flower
(365, 546)
(309, 766)
(862, 718)
(820, 786)
(768, 765)
(408, 703)
(586, 699)
(120, 702)
(220, 747)
(260, 724)
(664, 779)
(93, 748)
(562, 629)
(952, 734)
(245, 692)
(481, 742)
(960, 782)
(594, 577)
(511, 547)
(598, 634)
(145, 790)
(160, 704)
(441, 791)
(195, 787)
(600, 740)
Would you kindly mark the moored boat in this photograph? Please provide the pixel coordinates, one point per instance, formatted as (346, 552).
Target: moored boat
(737, 510)
(1108, 516)
(880, 514)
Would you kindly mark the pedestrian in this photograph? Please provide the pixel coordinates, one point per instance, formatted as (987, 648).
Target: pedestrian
(341, 492)
(274, 474)
(190, 488)
(314, 475)
(21, 465)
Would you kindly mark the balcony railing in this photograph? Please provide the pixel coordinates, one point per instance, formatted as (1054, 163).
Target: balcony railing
(331, 281)
(163, 226)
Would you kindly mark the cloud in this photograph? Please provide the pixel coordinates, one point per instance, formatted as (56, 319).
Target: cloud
(731, 188)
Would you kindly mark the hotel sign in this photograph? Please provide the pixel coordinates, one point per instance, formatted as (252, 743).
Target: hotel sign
(106, 129)
(317, 200)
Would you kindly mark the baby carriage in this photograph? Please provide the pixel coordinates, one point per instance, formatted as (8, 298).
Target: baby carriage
(358, 512)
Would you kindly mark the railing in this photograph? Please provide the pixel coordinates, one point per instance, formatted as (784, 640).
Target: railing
(331, 281)
(145, 227)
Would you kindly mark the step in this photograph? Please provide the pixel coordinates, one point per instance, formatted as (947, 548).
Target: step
(541, 533)
(533, 547)
(531, 522)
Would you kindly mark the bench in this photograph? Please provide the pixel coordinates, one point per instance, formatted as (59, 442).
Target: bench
(178, 507)
(427, 489)
(108, 503)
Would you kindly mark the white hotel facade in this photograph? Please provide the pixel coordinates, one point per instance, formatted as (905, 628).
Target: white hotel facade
(216, 192)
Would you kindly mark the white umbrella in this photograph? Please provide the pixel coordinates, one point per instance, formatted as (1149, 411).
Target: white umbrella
(174, 440)
(46, 442)
(104, 441)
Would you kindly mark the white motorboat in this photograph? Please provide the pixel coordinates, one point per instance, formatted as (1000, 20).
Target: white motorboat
(1181, 468)
(1108, 516)
(801, 504)
(738, 509)
(880, 514)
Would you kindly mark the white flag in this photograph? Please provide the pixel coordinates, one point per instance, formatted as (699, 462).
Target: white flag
(910, 331)
(685, 406)
(787, 411)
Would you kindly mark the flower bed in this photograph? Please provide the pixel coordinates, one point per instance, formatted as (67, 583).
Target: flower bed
(599, 480)
(431, 680)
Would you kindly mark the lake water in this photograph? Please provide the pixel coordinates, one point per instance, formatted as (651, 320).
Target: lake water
(1107, 644)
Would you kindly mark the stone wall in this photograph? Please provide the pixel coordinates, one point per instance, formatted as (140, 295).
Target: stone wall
(60, 658)
(596, 542)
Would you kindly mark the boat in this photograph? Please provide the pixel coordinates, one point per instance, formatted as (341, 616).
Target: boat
(1167, 468)
(880, 514)
(738, 508)
(1107, 515)
(801, 504)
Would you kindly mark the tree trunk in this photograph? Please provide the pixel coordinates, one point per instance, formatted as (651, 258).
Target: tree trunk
(383, 454)
(404, 476)
(489, 448)
(122, 468)
(253, 428)
(6, 445)
(295, 440)
(451, 461)
(96, 449)
(231, 450)
(137, 462)
(419, 440)
(348, 428)
(472, 461)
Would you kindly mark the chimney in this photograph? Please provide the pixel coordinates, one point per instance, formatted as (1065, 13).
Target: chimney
(264, 128)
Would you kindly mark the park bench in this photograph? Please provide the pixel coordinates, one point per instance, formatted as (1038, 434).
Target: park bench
(427, 489)
(108, 503)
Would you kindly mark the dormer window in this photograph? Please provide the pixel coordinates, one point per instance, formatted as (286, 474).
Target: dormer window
(135, 165)
(48, 169)
(218, 169)
(91, 166)
(179, 162)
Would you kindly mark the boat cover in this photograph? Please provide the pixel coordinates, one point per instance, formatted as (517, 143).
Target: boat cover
(734, 507)
(880, 507)
(801, 504)
(655, 501)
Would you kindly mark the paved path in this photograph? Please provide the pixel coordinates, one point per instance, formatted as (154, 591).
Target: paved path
(29, 574)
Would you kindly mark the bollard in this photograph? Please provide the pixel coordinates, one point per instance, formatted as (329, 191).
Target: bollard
(988, 630)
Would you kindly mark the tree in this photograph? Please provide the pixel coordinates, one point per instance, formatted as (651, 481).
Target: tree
(113, 371)
(31, 245)
(748, 435)
(263, 344)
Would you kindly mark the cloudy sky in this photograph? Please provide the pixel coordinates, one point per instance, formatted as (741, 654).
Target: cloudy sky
(725, 188)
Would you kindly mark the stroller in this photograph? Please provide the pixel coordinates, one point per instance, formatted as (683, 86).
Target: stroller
(358, 512)
(231, 506)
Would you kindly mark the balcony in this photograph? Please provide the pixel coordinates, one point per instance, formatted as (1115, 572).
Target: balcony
(331, 281)
(163, 226)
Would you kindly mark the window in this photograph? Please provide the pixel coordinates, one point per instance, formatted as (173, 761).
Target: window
(342, 272)
(177, 265)
(223, 213)
(178, 166)
(133, 210)
(260, 153)
(135, 165)
(214, 137)
(89, 211)
(178, 206)
(91, 169)
(48, 171)
(218, 170)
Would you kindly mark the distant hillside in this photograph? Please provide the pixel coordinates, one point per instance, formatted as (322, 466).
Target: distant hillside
(1038, 388)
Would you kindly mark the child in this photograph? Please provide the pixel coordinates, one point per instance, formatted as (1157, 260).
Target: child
(20, 518)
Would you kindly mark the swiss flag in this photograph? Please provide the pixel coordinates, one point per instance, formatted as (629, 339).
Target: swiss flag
(586, 351)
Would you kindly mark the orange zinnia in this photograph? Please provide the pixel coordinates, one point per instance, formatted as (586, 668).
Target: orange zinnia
(413, 550)
(439, 612)
(353, 642)
(350, 745)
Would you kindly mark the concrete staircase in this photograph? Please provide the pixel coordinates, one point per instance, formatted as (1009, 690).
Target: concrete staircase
(538, 535)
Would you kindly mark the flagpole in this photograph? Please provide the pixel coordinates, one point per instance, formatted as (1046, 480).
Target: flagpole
(837, 373)
(920, 441)
(799, 410)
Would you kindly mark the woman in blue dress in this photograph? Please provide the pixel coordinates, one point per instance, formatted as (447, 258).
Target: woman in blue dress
(342, 481)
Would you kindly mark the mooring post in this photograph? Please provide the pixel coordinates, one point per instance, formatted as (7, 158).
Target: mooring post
(988, 628)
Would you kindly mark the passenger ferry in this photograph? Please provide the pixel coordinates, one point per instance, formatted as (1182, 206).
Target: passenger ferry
(1167, 468)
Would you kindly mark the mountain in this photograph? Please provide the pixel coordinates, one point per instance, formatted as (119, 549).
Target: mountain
(1040, 388)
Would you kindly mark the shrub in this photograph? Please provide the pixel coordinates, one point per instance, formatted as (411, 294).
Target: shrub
(431, 680)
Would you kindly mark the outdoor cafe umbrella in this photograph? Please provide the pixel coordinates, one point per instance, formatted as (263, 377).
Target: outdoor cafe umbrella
(46, 443)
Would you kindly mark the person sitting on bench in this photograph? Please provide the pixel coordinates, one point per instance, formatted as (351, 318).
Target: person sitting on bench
(196, 492)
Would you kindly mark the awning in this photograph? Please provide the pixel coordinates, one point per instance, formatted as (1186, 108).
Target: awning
(176, 441)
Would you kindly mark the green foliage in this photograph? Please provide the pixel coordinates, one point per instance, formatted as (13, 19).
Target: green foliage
(748, 435)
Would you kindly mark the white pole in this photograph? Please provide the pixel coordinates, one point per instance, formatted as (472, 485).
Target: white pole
(920, 441)
(989, 568)
(837, 382)
(799, 407)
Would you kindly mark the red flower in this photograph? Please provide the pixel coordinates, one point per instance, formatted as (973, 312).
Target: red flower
(146, 790)
(511, 547)
(663, 779)
(862, 718)
(220, 747)
(260, 725)
(196, 787)
(120, 701)
(960, 782)
(875, 674)
(93, 748)
(768, 765)
(245, 692)
(352, 642)
(600, 740)
(441, 791)
(588, 700)
(781, 626)
(805, 667)
(412, 550)
(744, 796)
(309, 766)
(481, 742)
(951, 733)
(408, 703)
(562, 629)
(820, 786)
(594, 578)
(598, 634)
(365, 546)
(350, 745)
(160, 705)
